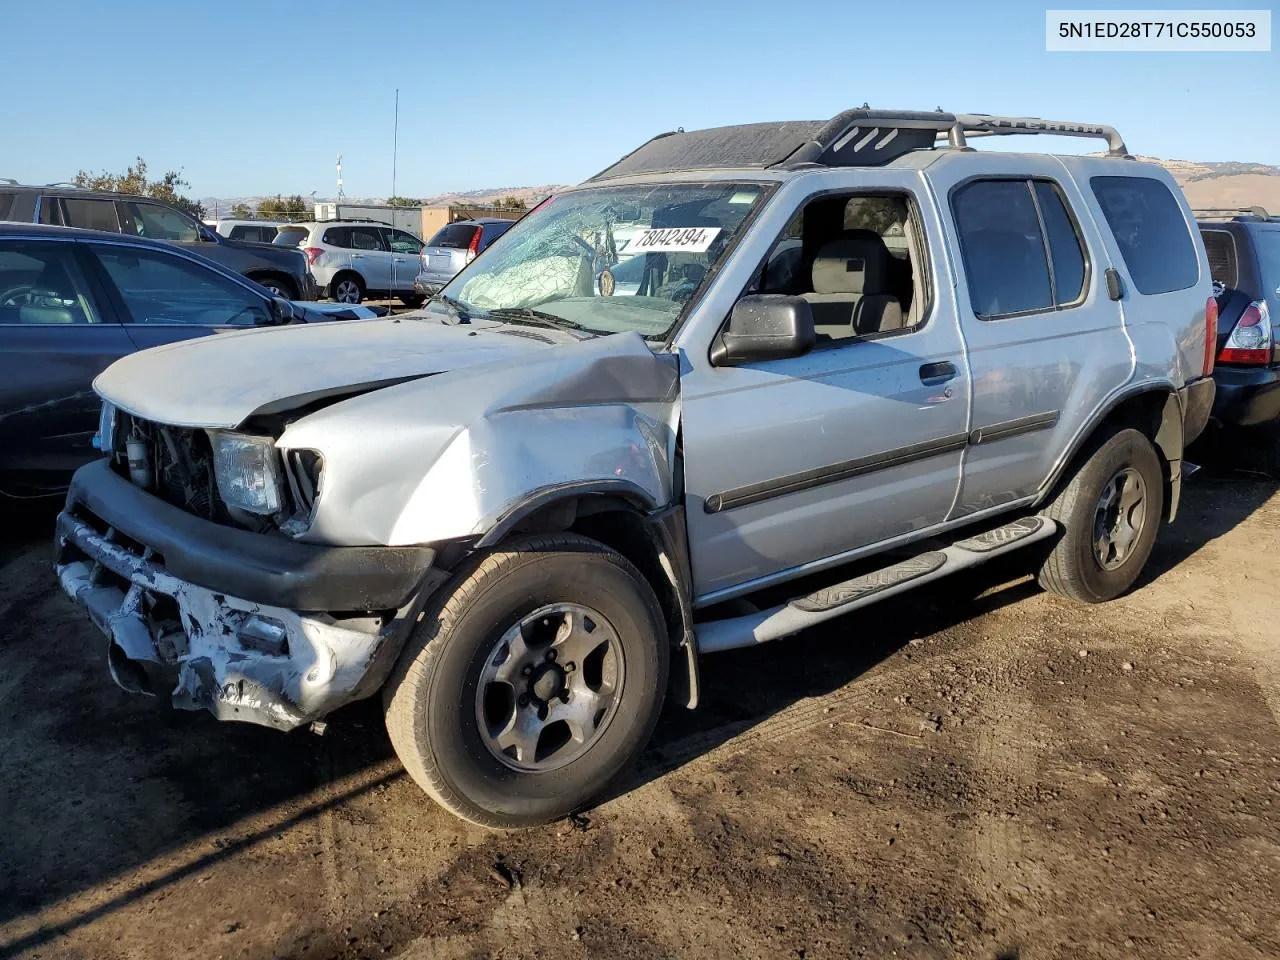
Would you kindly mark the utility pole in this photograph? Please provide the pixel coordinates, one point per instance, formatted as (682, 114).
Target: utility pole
(395, 143)
(339, 178)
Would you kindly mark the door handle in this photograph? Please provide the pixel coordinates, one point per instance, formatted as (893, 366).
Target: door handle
(932, 374)
(357, 256)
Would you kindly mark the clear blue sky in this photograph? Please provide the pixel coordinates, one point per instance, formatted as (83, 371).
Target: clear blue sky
(259, 97)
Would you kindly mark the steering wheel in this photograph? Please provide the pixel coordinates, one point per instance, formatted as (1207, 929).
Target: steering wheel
(25, 290)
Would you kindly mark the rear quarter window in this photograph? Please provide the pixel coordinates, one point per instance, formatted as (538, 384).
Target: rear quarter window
(1150, 231)
(1267, 240)
(337, 237)
(6, 205)
(456, 236)
(1221, 248)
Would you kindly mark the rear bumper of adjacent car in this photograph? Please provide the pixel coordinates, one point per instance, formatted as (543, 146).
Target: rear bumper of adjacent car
(1246, 396)
(248, 626)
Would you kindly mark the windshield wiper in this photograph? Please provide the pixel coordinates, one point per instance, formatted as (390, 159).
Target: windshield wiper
(536, 318)
(462, 311)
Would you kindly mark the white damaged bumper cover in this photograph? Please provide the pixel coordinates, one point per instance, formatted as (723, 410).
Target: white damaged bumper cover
(248, 626)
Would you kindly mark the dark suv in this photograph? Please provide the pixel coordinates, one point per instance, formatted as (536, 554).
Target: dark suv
(282, 271)
(1244, 259)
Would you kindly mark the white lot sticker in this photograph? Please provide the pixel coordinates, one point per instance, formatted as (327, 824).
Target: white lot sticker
(673, 240)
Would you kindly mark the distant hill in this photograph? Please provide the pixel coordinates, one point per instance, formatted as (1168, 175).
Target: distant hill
(1229, 184)
(1226, 185)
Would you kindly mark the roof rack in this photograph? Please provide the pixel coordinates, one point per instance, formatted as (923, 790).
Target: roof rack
(1233, 213)
(862, 137)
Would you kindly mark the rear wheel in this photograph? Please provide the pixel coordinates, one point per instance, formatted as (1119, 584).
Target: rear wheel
(279, 287)
(534, 681)
(1110, 512)
(348, 288)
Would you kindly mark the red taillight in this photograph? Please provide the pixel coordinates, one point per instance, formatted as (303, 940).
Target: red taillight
(1210, 333)
(1250, 341)
(313, 254)
(474, 246)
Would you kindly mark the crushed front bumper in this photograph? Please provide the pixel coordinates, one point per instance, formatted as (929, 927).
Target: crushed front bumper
(247, 626)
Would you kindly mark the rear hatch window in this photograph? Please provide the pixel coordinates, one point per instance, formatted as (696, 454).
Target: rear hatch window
(290, 236)
(1268, 243)
(456, 236)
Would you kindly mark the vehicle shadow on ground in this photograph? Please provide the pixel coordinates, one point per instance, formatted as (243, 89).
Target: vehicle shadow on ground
(84, 767)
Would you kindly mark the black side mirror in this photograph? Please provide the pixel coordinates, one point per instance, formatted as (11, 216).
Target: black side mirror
(765, 327)
(282, 311)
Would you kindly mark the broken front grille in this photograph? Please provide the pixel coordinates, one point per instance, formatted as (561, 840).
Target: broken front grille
(179, 463)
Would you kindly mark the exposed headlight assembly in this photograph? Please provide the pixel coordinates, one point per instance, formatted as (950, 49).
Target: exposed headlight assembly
(104, 439)
(248, 472)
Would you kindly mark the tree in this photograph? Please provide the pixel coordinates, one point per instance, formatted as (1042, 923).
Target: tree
(134, 181)
(403, 202)
(511, 203)
(278, 206)
(241, 211)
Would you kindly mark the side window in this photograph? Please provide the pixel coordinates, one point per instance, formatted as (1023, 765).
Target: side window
(402, 242)
(241, 232)
(6, 204)
(162, 289)
(1221, 248)
(855, 260)
(1002, 247)
(1066, 252)
(491, 232)
(366, 238)
(1151, 232)
(337, 237)
(90, 214)
(51, 211)
(161, 223)
(41, 283)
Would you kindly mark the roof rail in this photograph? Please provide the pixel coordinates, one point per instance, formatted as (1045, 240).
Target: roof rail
(70, 183)
(1233, 213)
(9, 180)
(866, 137)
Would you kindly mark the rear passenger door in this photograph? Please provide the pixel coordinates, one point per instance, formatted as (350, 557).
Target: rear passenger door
(56, 335)
(371, 256)
(406, 258)
(1045, 342)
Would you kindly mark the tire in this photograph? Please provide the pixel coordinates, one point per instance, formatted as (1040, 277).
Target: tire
(412, 300)
(1074, 568)
(440, 736)
(347, 288)
(279, 287)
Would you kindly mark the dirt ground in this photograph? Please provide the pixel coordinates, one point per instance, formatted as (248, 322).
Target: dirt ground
(1011, 777)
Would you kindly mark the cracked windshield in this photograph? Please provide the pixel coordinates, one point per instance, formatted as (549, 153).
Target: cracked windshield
(608, 260)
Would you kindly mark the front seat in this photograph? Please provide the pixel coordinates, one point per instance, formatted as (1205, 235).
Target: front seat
(850, 279)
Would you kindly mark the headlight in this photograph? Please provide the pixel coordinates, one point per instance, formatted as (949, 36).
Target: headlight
(104, 439)
(247, 472)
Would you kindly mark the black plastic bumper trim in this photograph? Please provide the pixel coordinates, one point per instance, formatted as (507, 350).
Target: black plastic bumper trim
(257, 567)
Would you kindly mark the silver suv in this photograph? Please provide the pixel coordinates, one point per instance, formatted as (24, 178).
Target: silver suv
(356, 259)
(857, 357)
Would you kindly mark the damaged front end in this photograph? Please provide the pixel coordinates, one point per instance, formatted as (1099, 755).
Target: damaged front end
(264, 657)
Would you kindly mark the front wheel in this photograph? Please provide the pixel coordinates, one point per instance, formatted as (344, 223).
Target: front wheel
(1110, 512)
(535, 682)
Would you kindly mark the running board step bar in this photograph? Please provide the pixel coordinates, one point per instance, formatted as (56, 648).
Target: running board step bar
(842, 598)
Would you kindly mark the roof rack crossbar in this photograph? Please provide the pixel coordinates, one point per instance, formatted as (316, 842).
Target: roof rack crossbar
(1254, 211)
(988, 125)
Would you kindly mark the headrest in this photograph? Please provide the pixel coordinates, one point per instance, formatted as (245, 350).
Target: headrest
(856, 262)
